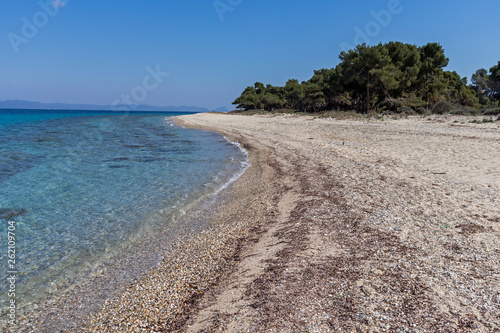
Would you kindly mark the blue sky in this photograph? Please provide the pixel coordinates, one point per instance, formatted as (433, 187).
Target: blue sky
(97, 51)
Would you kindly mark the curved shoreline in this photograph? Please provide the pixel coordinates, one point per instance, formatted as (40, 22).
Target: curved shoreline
(163, 299)
(334, 226)
(190, 226)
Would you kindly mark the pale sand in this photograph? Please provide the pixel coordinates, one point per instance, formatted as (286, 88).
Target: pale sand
(380, 226)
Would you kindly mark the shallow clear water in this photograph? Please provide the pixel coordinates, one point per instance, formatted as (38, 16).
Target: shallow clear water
(81, 187)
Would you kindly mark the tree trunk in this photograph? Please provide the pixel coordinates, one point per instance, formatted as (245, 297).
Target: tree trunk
(427, 89)
(367, 107)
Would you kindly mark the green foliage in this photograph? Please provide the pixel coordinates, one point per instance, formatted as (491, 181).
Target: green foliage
(442, 108)
(481, 84)
(405, 110)
(421, 110)
(365, 73)
(294, 94)
(492, 112)
(467, 96)
(414, 102)
(431, 74)
(487, 86)
(395, 77)
(494, 82)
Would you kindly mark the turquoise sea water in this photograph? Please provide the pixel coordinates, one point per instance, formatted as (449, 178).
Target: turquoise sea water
(81, 186)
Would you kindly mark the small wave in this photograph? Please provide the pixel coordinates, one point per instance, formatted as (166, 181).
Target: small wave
(244, 166)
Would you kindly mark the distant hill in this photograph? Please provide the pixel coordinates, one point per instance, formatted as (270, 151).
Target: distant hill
(19, 104)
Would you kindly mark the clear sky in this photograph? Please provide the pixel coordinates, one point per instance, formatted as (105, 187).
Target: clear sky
(89, 51)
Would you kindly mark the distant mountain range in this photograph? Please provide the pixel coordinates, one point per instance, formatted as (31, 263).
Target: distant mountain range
(19, 104)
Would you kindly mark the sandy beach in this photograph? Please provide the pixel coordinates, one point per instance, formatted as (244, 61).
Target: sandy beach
(377, 226)
(337, 226)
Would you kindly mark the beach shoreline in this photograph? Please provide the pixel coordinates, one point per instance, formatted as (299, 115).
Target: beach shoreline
(350, 225)
(170, 292)
(74, 308)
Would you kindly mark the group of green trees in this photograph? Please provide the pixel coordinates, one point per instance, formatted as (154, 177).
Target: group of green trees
(393, 76)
